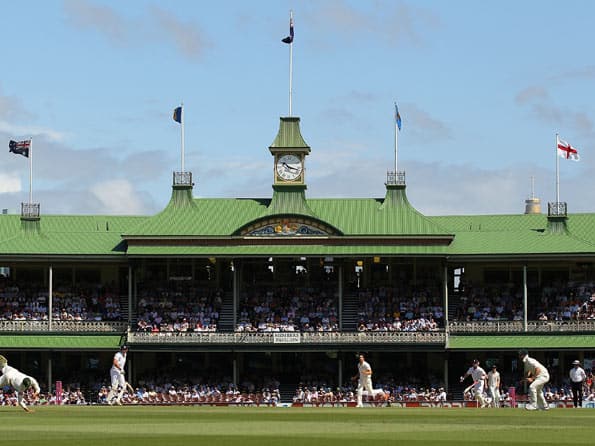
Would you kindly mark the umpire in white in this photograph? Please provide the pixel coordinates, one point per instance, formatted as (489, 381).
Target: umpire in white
(577, 378)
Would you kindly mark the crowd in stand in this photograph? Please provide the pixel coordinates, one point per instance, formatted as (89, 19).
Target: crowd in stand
(178, 308)
(8, 397)
(197, 394)
(340, 395)
(561, 301)
(78, 303)
(288, 309)
(394, 309)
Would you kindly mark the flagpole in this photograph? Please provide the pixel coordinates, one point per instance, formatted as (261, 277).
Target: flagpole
(290, 65)
(557, 171)
(182, 132)
(396, 139)
(31, 170)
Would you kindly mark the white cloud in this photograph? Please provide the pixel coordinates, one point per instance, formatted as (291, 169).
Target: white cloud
(87, 15)
(26, 131)
(531, 94)
(390, 23)
(10, 183)
(187, 37)
(543, 108)
(118, 197)
(160, 26)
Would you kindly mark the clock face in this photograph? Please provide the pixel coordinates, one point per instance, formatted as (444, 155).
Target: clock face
(289, 167)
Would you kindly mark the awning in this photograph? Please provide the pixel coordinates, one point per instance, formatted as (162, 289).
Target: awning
(59, 342)
(491, 342)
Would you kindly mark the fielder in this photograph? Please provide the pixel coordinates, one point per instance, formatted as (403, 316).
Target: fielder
(537, 376)
(365, 381)
(117, 377)
(479, 377)
(494, 385)
(18, 381)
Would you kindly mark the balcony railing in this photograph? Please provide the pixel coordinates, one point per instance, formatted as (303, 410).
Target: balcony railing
(556, 209)
(30, 210)
(517, 327)
(432, 337)
(64, 326)
(182, 179)
(375, 337)
(395, 178)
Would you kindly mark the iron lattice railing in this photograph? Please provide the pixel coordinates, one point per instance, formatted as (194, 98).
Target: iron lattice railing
(30, 210)
(556, 209)
(182, 178)
(395, 178)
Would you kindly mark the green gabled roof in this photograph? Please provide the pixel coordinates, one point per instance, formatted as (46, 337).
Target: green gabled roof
(65, 235)
(222, 217)
(288, 200)
(208, 217)
(368, 216)
(519, 234)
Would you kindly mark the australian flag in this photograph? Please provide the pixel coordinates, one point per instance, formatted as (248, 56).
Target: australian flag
(20, 147)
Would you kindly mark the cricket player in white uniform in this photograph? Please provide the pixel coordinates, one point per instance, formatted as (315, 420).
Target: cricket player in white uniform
(365, 380)
(537, 376)
(117, 376)
(18, 381)
(479, 378)
(494, 385)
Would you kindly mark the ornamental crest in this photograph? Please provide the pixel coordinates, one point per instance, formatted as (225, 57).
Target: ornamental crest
(286, 227)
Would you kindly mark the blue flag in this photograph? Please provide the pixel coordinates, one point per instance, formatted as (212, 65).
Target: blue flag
(178, 114)
(397, 117)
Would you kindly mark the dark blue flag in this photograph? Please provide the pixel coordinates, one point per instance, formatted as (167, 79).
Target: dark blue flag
(178, 114)
(289, 39)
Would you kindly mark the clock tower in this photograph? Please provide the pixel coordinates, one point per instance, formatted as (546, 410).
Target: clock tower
(289, 151)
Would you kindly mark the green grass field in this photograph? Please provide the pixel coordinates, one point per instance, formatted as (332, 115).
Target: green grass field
(215, 426)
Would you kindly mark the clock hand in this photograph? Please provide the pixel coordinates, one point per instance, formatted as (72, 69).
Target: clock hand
(287, 166)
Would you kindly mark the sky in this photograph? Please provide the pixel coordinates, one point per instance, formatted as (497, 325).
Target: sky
(482, 89)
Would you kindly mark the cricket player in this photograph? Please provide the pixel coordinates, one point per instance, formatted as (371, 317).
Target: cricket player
(479, 378)
(117, 376)
(537, 376)
(494, 385)
(18, 381)
(365, 380)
